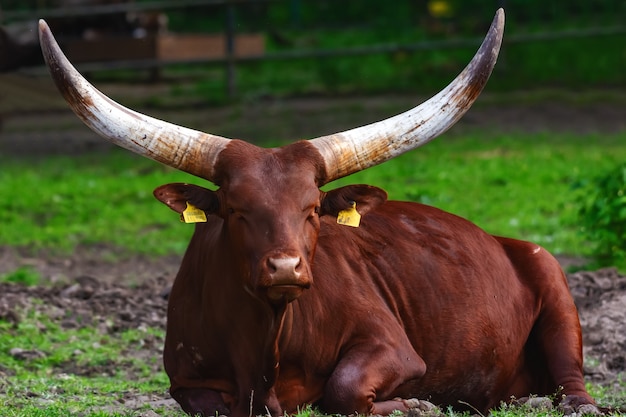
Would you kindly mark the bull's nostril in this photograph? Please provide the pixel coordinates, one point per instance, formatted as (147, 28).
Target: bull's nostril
(286, 280)
(284, 268)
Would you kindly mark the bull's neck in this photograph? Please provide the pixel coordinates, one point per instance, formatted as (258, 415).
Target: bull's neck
(255, 355)
(252, 328)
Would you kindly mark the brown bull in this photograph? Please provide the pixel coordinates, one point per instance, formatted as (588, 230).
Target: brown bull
(277, 305)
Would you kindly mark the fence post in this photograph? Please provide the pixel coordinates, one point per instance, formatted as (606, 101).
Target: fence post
(230, 50)
(295, 9)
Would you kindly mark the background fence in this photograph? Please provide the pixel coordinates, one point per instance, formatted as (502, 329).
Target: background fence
(578, 42)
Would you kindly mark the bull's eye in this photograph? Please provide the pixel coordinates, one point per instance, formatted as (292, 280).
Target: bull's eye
(314, 216)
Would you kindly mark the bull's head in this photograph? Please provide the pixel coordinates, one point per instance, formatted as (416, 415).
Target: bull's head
(270, 199)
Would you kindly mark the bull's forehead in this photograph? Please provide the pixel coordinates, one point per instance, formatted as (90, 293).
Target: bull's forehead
(289, 173)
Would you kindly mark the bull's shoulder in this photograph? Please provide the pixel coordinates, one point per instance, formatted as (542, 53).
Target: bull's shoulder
(410, 222)
(400, 236)
(410, 213)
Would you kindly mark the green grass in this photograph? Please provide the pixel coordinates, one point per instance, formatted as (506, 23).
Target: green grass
(23, 275)
(45, 385)
(520, 185)
(49, 383)
(59, 202)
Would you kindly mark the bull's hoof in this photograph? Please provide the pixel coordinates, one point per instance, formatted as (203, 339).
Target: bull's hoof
(575, 405)
(421, 408)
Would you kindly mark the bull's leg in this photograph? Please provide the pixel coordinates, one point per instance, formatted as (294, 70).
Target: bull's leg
(556, 334)
(368, 379)
(559, 338)
(195, 394)
(200, 401)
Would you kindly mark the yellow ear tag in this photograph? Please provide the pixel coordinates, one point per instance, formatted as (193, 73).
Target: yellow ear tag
(193, 214)
(349, 217)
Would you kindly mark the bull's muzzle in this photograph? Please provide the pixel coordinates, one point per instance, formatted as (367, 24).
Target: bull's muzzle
(286, 279)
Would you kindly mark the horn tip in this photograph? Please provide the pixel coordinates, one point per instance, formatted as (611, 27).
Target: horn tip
(500, 16)
(44, 33)
(493, 39)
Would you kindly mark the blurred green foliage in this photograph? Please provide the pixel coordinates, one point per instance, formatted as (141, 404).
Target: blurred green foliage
(603, 216)
(573, 44)
(577, 44)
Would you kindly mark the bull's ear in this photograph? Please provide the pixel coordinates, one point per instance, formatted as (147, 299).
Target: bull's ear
(366, 198)
(177, 195)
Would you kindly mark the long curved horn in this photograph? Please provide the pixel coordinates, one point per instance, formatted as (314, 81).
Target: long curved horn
(179, 147)
(354, 150)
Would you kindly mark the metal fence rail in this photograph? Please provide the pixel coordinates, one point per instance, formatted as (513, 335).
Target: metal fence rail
(527, 21)
(32, 13)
